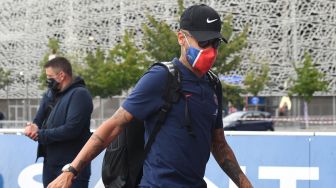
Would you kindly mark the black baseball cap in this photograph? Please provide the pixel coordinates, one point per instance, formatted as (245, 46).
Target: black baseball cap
(202, 22)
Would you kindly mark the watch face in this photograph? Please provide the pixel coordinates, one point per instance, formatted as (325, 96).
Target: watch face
(69, 168)
(66, 167)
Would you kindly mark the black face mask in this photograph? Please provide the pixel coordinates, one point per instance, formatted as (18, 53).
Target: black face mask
(52, 84)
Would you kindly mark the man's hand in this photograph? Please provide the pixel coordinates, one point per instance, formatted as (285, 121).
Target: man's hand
(31, 130)
(62, 181)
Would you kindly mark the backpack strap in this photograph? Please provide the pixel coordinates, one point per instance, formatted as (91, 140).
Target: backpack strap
(216, 85)
(213, 79)
(171, 95)
(50, 103)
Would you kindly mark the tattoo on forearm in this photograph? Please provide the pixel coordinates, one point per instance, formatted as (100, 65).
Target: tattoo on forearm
(227, 162)
(97, 138)
(232, 169)
(97, 148)
(99, 141)
(225, 158)
(121, 115)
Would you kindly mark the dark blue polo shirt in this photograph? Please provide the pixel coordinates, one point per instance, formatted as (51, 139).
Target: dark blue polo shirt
(176, 159)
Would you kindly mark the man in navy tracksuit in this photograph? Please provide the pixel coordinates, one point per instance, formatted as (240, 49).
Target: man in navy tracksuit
(67, 128)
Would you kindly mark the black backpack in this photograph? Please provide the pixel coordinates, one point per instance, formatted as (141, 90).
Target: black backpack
(124, 157)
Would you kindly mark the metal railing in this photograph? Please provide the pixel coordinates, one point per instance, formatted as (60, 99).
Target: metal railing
(5, 124)
(317, 123)
(17, 127)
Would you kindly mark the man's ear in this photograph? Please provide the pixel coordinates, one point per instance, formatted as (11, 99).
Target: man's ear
(180, 38)
(62, 74)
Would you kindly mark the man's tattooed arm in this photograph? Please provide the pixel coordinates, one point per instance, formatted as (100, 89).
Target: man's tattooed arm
(101, 138)
(227, 160)
(98, 141)
(96, 148)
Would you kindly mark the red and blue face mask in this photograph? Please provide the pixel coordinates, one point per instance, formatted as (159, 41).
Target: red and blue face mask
(201, 60)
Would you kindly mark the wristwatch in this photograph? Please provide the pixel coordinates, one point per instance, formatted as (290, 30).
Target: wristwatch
(69, 168)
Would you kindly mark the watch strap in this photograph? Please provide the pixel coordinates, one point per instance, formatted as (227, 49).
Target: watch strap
(71, 169)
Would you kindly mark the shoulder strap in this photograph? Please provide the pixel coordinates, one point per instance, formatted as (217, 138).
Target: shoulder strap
(171, 95)
(213, 79)
(49, 99)
(217, 87)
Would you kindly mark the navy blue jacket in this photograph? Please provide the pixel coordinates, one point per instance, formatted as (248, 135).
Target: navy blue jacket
(68, 125)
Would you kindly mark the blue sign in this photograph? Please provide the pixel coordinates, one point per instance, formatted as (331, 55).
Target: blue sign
(234, 79)
(256, 100)
(18, 167)
(270, 161)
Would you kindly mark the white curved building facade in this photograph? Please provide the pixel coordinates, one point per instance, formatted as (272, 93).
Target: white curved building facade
(280, 32)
